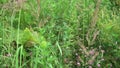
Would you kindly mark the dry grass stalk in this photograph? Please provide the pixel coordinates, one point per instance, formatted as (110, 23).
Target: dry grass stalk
(81, 60)
(95, 14)
(93, 24)
(16, 4)
(83, 48)
(19, 3)
(91, 61)
(96, 33)
(38, 9)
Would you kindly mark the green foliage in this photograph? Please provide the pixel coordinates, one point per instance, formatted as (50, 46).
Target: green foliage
(54, 34)
(29, 39)
(3, 1)
(115, 2)
(28, 36)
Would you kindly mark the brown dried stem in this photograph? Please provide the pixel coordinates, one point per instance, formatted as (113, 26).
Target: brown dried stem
(83, 48)
(91, 61)
(93, 24)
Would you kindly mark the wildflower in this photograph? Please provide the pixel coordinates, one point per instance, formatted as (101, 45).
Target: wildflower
(76, 54)
(90, 66)
(102, 51)
(90, 62)
(78, 63)
(102, 59)
(92, 52)
(98, 65)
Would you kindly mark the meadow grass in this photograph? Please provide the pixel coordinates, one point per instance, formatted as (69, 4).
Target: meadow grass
(59, 34)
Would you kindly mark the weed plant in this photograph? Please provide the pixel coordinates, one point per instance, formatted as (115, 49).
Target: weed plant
(59, 34)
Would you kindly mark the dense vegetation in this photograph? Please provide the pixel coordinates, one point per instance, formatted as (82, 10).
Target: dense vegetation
(59, 33)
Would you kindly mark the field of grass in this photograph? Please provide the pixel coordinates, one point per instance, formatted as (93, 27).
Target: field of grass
(59, 33)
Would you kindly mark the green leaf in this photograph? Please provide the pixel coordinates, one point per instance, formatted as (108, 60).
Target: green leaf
(28, 39)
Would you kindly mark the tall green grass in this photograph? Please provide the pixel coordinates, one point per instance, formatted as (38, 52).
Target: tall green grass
(59, 34)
